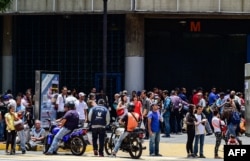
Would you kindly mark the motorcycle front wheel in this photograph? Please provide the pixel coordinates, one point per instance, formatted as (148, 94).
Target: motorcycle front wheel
(77, 145)
(136, 149)
(108, 145)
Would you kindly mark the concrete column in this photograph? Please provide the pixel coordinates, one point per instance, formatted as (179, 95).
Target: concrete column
(134, 59)
(248, 48)
(247, 98)
(7, 64)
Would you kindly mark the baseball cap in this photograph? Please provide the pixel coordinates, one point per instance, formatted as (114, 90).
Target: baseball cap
(10, 95)
(153, 104)
(199, 94)
(82, 94)
(125, 92)
(5, 97)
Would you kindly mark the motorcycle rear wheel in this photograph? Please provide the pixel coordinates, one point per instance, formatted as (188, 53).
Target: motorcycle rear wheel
(108, 145)
(77, 145)
(136, 149)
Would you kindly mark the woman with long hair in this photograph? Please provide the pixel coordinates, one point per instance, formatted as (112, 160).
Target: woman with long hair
(122, 105)
(10, 117)
(138, 105)
(190, 121)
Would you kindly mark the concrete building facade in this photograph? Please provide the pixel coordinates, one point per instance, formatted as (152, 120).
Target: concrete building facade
(151, 43)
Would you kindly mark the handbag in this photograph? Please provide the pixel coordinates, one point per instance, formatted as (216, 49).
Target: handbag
(18, 125)
(120, 112)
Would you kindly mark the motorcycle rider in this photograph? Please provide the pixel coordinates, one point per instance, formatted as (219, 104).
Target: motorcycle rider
(99, 117)
(68, 123)
(130, 122)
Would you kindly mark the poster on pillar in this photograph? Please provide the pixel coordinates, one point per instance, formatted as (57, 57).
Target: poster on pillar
(49, 90)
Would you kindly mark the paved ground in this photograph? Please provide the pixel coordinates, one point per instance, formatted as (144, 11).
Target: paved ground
(67, 157)
(171, 148)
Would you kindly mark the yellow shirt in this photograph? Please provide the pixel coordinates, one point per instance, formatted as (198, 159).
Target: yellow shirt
(10, 118)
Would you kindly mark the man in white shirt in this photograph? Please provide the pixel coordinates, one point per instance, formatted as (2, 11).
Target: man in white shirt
(27, 99)
(70, 97)
(60, 101)
(206, 111)
(216, 122)
(199, 131)
(81, 108)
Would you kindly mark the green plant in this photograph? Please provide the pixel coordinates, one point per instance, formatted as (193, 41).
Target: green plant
(4, 4)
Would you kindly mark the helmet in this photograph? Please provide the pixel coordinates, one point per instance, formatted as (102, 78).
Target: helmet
(70, 104)
(131, 107)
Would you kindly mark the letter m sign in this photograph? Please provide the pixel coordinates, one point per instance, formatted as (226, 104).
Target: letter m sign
(195, 26)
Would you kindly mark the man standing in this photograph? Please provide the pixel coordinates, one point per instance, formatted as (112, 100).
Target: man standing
(154, 130)
(68, 123)
(20, 109)
(81, 108)
(199, 131)
(166, 113)
(99, 117)
(205, 111)
(60, 101)
(177, 105)
(70, 97)
(145, 109)
(216, 122)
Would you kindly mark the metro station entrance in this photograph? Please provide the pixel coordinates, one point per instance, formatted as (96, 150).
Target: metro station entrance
(191, 54)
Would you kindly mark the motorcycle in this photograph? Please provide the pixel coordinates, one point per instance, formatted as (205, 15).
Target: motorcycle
(132, 143)
(76, 141)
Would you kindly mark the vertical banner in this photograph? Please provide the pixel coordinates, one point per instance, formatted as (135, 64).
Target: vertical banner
(49, 89)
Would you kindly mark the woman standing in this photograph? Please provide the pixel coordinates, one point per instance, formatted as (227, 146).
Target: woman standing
(190, 121)
(10, 117)
(122, 106)
(138, 105)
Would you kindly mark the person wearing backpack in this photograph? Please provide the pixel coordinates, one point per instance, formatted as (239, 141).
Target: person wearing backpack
(130, 121)
(232, 117)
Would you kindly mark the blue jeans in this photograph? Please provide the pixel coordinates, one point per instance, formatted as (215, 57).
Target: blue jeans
(1, 130)
(199, 138)
(22, 137)
(231, 130)
(118, 143)
(54, 146)
(154, 140)
(167, 125)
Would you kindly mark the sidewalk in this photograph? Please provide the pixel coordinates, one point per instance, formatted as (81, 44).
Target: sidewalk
(171, 147)
(166, 149)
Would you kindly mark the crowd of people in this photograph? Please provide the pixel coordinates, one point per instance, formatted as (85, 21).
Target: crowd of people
(14, 110)
(198, 114)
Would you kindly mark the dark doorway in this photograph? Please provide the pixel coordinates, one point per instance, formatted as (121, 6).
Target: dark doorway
(176, 57)
(113, 84)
